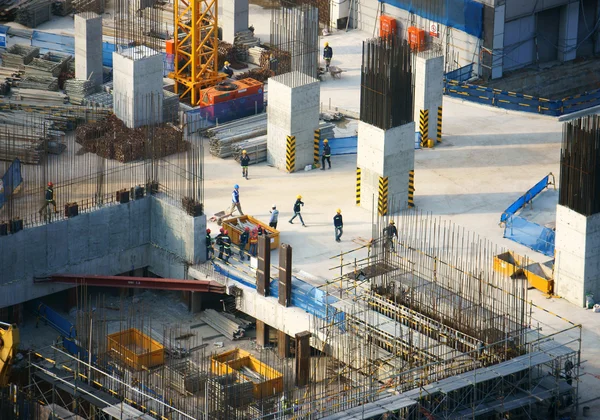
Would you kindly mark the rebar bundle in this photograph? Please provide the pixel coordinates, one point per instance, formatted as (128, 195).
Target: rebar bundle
(32, 13)
(579, 159)
(386, 87)
(39, 82)
(230, 328)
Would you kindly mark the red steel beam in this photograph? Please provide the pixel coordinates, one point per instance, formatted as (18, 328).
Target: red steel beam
(138, 282)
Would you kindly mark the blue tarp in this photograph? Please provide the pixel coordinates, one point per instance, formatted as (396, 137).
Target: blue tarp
(532, 235)
(107, 50)
(525, 199)
(3, 32)
(464, 15)
(341, 146)
(63, 326)
(10, 181)
(53, 42)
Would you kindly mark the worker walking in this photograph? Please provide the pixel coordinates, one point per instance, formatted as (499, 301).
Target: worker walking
(49, 198)
(253, 242)
(235, 200)
(326, 155)
(210, 251)
(327, 55)
(338, 224)
(244, 161)
(297, 208)
(274, 217)
(244, 237)
(227, 70)
(389, 232)
(226, 241)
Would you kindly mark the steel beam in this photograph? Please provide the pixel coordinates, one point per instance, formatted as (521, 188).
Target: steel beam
(136, 282)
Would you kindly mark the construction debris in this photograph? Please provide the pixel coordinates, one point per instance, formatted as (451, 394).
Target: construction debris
(32, 13)
(231, 328)
(78, 89)
(19, 55)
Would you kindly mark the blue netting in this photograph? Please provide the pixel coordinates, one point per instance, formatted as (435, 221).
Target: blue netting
(532, 235)
(525, 199)
(10, 181)
(465, 15)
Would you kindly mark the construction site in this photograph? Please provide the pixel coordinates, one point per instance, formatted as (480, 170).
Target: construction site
(170, 173)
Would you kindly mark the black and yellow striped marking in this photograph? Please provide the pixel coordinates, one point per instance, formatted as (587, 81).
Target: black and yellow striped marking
(358, 174)
(424, 126)
(439, 125)
(290, 154)
(382, 206)
(317, 141)
(411, 188)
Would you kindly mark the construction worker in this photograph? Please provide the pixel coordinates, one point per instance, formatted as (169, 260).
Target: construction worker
(235, 200)
(210, 251)
(327, 55)
(253, 242)
(297, 207)
(244, 161)
(338, 224)
(244, 237)
(326, 155)
(219, 242)
(274, 217)
(227, 70)
(389, 232)
(49, 198)
(226, 241)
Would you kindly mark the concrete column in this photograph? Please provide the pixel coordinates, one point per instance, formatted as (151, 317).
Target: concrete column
(263, 274)
(137, 86)
(195, 302)
(388, 154)
(283, 344)
(285, 275)
(429, 77)
(577, 255)
(302, 358)
(234, 18)
(88, 47)
(498, 41)
(262, 334)
(567, 31)
(293, 111)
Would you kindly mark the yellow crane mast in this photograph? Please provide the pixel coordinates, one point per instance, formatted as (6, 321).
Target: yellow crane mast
(196, 46)
(9, 342)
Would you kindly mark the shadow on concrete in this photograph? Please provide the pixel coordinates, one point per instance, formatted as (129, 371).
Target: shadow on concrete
(507, 139)
(466, 203)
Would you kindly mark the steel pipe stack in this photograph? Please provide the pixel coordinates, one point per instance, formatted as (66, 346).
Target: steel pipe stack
(231, 329)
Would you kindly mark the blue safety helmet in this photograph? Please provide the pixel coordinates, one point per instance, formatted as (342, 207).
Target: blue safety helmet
(236, 186)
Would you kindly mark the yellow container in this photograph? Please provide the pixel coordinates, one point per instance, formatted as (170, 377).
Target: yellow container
(235, 360)
(136, 349)
(540, 277)
(235, 229)
(508, 263)
(430, 143)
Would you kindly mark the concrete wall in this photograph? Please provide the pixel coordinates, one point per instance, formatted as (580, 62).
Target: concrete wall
(137, 86)
(386, 153)
(109, 241)
(429, 77)
(293, 111)
(577, 264)
(233, 18)
(88, 47)
(567, 31)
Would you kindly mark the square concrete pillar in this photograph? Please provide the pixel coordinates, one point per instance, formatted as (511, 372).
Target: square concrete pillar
(283, 344)
(429, 77)
(233, 18)
(285, 275)
(88, 47)
(302, 364)
(577, 255)
(567, 31)
(387, 154)
(262, 334)
(138, 86)
(293, 110)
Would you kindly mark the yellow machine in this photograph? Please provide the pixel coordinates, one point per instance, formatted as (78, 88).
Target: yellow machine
(9, 341)
(196, 45)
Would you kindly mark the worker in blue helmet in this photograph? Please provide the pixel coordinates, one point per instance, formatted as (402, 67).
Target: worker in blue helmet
(235, 200)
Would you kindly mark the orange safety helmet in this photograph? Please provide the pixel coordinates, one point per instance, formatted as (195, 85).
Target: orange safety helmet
(50, 184)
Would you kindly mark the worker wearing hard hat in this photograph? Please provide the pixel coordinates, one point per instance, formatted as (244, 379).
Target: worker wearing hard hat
(274, 217)
(49, 196)
(327, 55)
(297, 208)
(338, 224)
(235, 200)
(389, 232)
(244, 161)
(326, 155)
(227, 70)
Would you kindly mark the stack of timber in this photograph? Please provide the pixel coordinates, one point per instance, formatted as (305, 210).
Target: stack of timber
(224, 136)
(236, 55)
(19, 55)
(40, 96)
(254, 54)
(39, 82)
(78, 89)
(32, 13)
(246, 39)
(233, 329)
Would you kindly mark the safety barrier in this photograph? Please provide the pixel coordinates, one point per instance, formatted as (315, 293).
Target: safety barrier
(342, 146)
(423, 127)
(290, 153)
(527, 197)
(411, 189)
(439, 125)
(518, 101)
(316, 147)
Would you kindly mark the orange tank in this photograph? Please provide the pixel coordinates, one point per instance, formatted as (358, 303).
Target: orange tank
(416, 38)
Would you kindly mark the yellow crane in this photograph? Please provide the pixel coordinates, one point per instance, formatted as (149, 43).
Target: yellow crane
(9, 342)
(196, 45)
